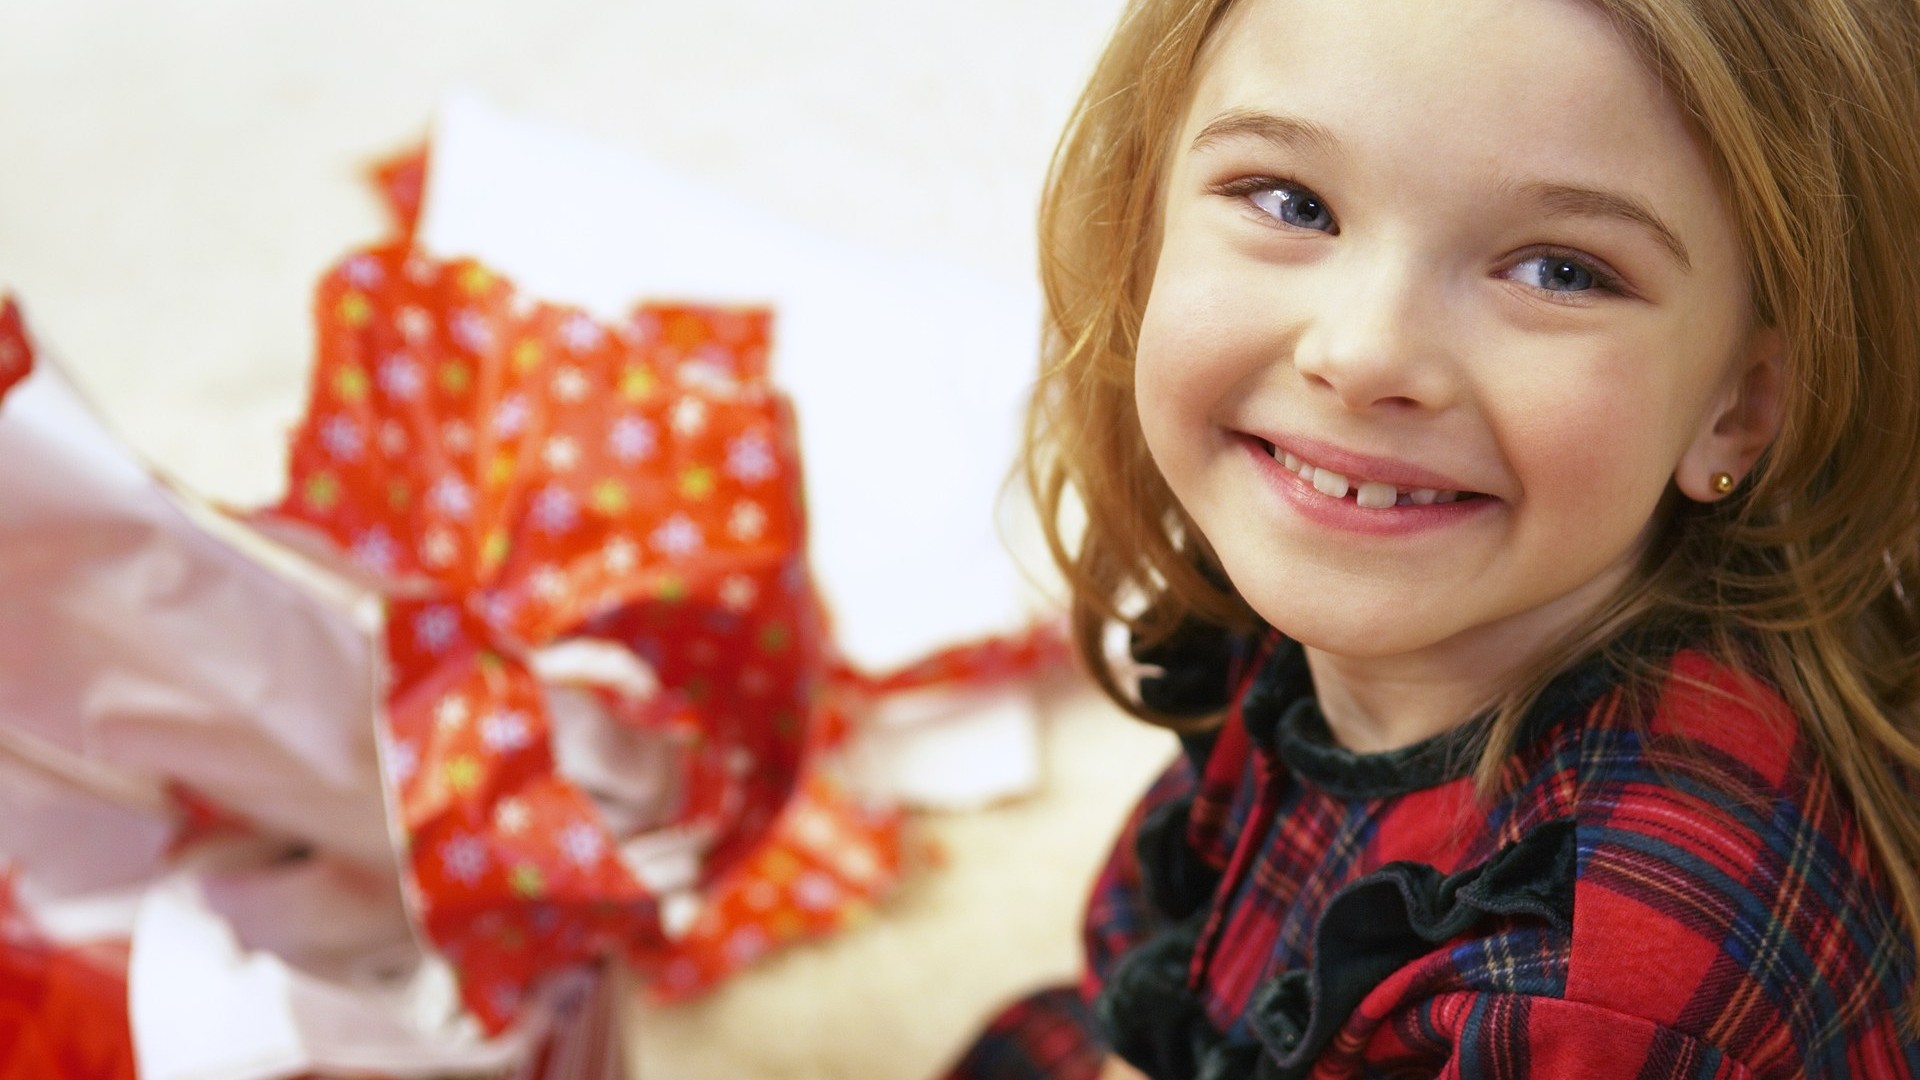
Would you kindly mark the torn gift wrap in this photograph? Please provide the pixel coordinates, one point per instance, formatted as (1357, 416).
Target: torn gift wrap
(519, 478)
(63, 1010)
(154, 648)
(187, 756)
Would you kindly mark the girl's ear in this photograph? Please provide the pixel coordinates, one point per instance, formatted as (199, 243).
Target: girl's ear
(1742, 423)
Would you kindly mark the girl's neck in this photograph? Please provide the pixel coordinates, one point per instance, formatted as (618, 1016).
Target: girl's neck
(1378, 703)
(1372, 706)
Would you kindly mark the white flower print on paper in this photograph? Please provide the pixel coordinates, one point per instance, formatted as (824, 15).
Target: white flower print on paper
(750, 459)
(580, 333)
(402, 759)
(471, 331)
(512, 816)
(434, 628)
(548, 583)
(363, 270)
(747, 522)
(570, 384)
(375, 550)
(498, 609)
(400, 377)
(711, 367)
(439, 549)
(746, 945)
(451, 712)
(816, 891)
(464, 858)
(678, 537)
(414, 323)
(582, 843)
(505, 731)
(738, 592)
(342, 438)
(689, 416)
(632, 439)
(621, 555)
(451, 496)
(458, 436)
(510, 417)
(561, 454)
(555, 511)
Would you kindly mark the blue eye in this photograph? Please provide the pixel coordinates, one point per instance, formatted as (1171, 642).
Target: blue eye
(1292, 204)
(1561, 273)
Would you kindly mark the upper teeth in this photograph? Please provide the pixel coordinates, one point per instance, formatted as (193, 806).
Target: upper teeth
(1373, 494)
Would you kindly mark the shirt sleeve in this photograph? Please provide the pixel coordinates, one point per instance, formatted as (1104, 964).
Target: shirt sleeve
(1520, 1037)
(1120, 912)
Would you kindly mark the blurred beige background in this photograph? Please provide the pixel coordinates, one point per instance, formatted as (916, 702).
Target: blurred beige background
(175, 174)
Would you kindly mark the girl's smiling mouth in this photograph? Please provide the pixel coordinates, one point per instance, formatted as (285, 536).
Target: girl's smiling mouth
(1348, 484)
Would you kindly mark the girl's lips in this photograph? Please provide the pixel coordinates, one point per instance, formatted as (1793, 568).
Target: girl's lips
(1345, 513)
(1359, 467)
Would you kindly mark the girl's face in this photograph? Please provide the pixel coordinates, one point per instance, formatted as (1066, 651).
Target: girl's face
(1446, 298)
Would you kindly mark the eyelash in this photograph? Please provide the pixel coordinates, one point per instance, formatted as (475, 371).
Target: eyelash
(1245, 187)
(1604, 279)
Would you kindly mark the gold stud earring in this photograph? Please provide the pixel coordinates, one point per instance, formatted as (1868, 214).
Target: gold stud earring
(1722, 482)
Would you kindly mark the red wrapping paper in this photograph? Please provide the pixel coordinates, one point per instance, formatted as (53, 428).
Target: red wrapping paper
(63, 1012)
(519, 474)
(16, 349)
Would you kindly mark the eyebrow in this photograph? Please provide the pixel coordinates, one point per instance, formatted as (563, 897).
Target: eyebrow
(1296, 133)
(1593, 202)
(1284, 132)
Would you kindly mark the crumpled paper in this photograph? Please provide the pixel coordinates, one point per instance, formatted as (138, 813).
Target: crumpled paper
(515, 477)
(559, 563)
(187, 760)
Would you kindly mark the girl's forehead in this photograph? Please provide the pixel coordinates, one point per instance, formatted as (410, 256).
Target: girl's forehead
(1468, 79)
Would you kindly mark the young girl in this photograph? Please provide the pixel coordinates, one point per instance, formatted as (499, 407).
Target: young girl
(1498, 427)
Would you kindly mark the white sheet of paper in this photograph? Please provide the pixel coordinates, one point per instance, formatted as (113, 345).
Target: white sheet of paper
(146, 647)
(214, 997)
(909, 375)
(940, 750)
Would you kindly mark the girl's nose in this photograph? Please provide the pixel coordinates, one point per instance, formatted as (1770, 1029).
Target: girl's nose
(1375, 339)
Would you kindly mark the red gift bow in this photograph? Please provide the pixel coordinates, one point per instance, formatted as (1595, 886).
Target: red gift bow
(520, 474)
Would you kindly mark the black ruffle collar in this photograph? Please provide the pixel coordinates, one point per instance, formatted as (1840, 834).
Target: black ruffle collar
(1283, 716)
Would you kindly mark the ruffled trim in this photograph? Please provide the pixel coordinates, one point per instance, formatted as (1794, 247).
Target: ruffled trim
(1145, 1011)
(1176, 880)
(1371, 928)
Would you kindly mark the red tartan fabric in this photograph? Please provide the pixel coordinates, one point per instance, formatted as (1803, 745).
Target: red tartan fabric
(1676, 891)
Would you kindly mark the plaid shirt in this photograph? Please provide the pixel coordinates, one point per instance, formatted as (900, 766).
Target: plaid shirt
(1681, 895)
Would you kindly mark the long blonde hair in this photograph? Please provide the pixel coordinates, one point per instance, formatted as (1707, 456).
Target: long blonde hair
(1810, 573)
